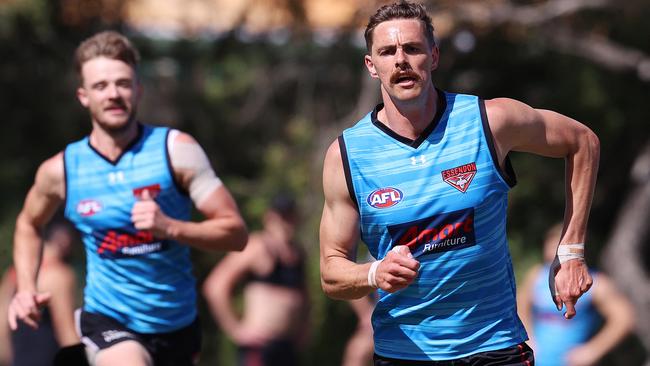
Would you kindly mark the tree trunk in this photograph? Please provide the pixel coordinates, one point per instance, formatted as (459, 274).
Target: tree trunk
(623, 257)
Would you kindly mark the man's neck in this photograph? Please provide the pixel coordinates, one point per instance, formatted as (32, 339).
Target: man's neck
(112, 144)
(410, 118)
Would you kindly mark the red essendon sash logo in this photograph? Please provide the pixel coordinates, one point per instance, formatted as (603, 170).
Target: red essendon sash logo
(460, 177)
(153, 190)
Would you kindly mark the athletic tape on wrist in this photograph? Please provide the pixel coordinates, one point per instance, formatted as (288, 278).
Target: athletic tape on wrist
(567, 252)
(372, 274)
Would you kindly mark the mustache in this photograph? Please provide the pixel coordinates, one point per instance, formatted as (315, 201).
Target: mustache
(403, 74)
(118, 103)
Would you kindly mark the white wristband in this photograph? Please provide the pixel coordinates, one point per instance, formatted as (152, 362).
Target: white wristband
(567, 252)
(372, 274)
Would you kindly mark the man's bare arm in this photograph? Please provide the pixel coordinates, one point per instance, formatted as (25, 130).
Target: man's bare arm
(223, 227)
(341, 277)
(519, 127)
(44, 197)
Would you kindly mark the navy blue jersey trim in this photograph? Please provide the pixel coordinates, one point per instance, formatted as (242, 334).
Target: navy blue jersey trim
(508, 174)
(346, 169)
(128, 147)
(65, 182)
(170, 168)
(440, 111)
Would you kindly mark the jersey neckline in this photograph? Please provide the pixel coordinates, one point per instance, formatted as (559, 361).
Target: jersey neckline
(128, 147)
(440, 111)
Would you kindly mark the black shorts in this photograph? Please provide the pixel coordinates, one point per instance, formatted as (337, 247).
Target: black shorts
(177, 348)
(519, 355)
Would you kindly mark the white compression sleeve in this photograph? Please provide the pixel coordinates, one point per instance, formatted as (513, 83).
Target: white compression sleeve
(190, 156)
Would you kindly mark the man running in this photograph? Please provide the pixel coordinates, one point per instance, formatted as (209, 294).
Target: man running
(128, 188)
(444, 274)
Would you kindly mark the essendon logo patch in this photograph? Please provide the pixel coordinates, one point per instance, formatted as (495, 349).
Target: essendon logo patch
(89, 207)
(153, 190)
(117, 244)
(460, 177)
(385, 197)
(440, 233)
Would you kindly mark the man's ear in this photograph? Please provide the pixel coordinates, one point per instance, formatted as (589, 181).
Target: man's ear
(370, 66)
(435, 53)
(82, 96)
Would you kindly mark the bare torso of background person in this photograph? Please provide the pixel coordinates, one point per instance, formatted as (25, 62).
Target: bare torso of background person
(273, 322)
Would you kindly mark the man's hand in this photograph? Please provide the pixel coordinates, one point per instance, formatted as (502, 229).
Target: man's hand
(25, 306)
(567, 282)
(147, 215)
(397, 270)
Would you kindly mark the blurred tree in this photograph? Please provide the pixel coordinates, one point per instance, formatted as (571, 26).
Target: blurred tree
(626, 254)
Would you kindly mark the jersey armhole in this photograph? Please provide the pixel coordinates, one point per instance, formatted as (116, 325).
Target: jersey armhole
(346, 170)
(508, 174)
(169, 144)
(65, 184)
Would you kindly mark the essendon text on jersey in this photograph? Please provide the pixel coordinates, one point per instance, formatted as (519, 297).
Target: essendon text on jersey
(460, 177)
(448, 231)
(115, 244)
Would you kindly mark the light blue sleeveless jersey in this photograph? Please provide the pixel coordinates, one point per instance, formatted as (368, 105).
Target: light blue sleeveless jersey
(445, 197)
(555, 336)
(143, 282)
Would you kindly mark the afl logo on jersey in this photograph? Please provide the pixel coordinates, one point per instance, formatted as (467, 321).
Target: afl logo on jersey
(88, 207)
(385, 197)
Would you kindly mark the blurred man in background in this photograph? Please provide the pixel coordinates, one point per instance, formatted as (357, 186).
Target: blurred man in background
(36, 347)
(273, 322)
(603, 316)
(128, 187)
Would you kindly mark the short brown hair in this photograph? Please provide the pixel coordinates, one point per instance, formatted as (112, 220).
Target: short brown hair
(400, 10)
(108, 44)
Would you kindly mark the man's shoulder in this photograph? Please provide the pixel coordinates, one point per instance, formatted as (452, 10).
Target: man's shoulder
(50, 177)
(52, 168)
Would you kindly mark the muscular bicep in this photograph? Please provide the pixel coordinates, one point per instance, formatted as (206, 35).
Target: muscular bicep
(518, 127)
(339, 230)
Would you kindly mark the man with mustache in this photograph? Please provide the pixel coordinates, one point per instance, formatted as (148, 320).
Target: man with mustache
(444, 274)
(128, 188)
